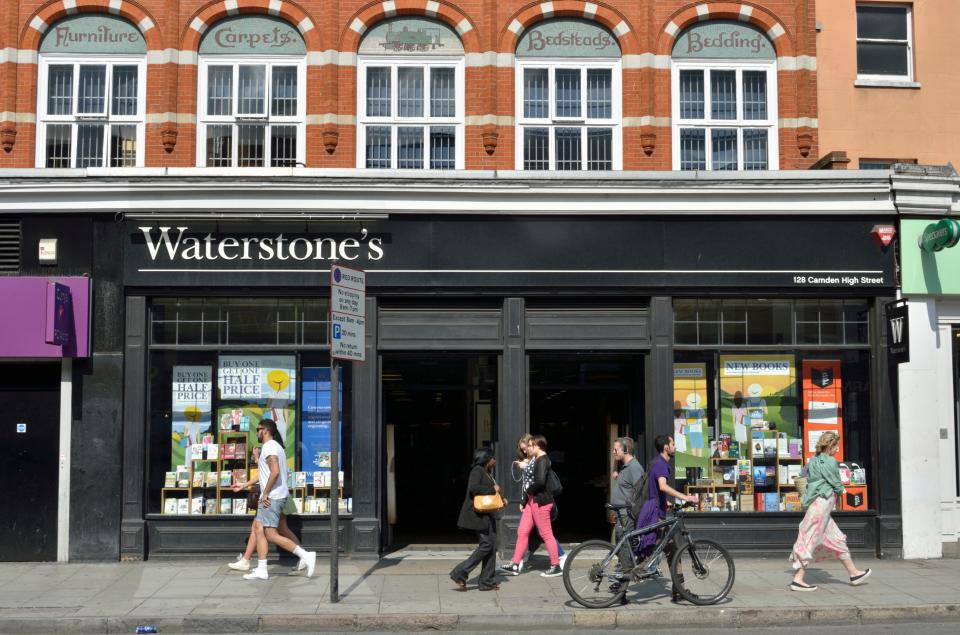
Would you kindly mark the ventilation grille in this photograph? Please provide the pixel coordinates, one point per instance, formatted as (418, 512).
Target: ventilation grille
(9, 246)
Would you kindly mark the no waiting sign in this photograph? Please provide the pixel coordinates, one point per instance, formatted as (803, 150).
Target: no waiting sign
(347, 313)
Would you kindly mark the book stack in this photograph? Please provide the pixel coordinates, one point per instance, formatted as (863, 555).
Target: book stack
(793, 448)
(183, 476)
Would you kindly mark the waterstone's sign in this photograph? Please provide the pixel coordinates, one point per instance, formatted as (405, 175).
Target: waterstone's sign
(252, 34)
(725, 40)
(411, 35)
(93, 34)
(427, 252)
(567, 38)
(175, 245)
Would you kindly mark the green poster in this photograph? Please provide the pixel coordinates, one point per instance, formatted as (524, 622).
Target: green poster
(758, 393)
(256, 387)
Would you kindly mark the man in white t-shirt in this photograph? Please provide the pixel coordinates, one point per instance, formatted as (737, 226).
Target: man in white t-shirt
(272, 472)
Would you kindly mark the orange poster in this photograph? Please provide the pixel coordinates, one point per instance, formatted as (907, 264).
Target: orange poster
(822, 403)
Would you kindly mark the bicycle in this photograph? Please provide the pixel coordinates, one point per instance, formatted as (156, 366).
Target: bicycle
(593, 577)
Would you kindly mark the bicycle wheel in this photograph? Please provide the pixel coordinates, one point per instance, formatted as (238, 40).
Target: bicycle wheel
(588, 581)
(702, 572)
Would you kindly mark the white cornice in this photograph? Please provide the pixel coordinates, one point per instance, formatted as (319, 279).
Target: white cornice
(478, 192)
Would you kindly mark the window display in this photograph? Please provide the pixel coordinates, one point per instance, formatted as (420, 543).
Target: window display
(745, 424)
(205, 407)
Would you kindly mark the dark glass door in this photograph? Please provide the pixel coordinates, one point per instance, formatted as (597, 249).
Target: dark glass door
(30, 438)
(436, 411)
(581, 404)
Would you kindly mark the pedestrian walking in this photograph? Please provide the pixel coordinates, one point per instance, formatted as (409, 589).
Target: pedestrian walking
(819, 537)
(521, 471)
(480, 483)
(242, 563)
(655, 508)
(272, 475)
(627, 479)
(537, 506)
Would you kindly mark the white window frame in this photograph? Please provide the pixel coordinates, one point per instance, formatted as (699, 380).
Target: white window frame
(909, 41)
(394, 121)
(615, 122)
(204, 120)
(771, 123)
(44, 119)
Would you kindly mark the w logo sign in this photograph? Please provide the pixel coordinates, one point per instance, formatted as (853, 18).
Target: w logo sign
(896, 330)
(898, 343)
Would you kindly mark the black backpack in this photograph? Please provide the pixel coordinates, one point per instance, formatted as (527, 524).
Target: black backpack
(641, 493)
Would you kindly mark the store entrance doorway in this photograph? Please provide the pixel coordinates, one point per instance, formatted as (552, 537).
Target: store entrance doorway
(581, 403)
(436, 411)
(30, 438)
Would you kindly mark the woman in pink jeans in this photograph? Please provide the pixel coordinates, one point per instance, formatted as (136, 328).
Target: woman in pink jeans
(536, 510)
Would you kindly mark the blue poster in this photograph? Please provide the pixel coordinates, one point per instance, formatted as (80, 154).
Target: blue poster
(315, 417)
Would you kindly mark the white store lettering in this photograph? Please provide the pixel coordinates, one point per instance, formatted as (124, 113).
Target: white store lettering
(173, 243)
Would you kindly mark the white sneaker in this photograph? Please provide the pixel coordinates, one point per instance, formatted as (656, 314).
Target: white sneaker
(310, 561)
(241, 564)
(301, 565)
(257, 574)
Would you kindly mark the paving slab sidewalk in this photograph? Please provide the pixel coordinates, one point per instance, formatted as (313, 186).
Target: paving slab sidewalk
(411, 591)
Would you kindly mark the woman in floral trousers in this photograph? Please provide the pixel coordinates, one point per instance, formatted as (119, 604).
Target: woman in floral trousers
(819, 536)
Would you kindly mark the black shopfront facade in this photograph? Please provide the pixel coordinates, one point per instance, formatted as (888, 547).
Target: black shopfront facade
(479, 328)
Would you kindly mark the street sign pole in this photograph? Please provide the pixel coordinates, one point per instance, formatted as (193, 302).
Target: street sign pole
(334, 480)
(348, 288)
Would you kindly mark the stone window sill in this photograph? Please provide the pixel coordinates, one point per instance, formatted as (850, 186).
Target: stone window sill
(885, 83)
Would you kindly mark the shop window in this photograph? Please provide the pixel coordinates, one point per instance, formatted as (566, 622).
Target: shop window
(411, 104)
(91, 97)
(204, 411)
(746, 423)
(724, 92)
(761, 322)
(568, 98)
(239, 322)
(252, 94)
(825, 322)
(884, 42)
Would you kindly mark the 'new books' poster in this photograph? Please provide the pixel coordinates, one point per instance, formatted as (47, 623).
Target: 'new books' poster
(758, 393)
(191, 417)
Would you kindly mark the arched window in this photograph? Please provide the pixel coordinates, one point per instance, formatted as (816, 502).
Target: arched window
(568, 97)
(724, 98)
(252, 97)
(410, 96)
(91, 94)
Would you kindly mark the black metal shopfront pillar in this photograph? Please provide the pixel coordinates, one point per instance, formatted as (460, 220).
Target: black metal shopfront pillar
(132, 525)
(368, 456)
(885, 437)
(513, 420)
(659, 373)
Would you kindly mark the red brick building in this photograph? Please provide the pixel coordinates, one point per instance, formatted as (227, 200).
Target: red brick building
(645, 33)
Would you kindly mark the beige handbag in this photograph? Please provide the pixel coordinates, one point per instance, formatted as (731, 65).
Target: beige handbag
(484, 503)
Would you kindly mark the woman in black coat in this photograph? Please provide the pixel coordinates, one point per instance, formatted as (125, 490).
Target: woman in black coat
(481, 482)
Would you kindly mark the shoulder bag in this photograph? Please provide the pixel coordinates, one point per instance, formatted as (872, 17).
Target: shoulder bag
(484, 503)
